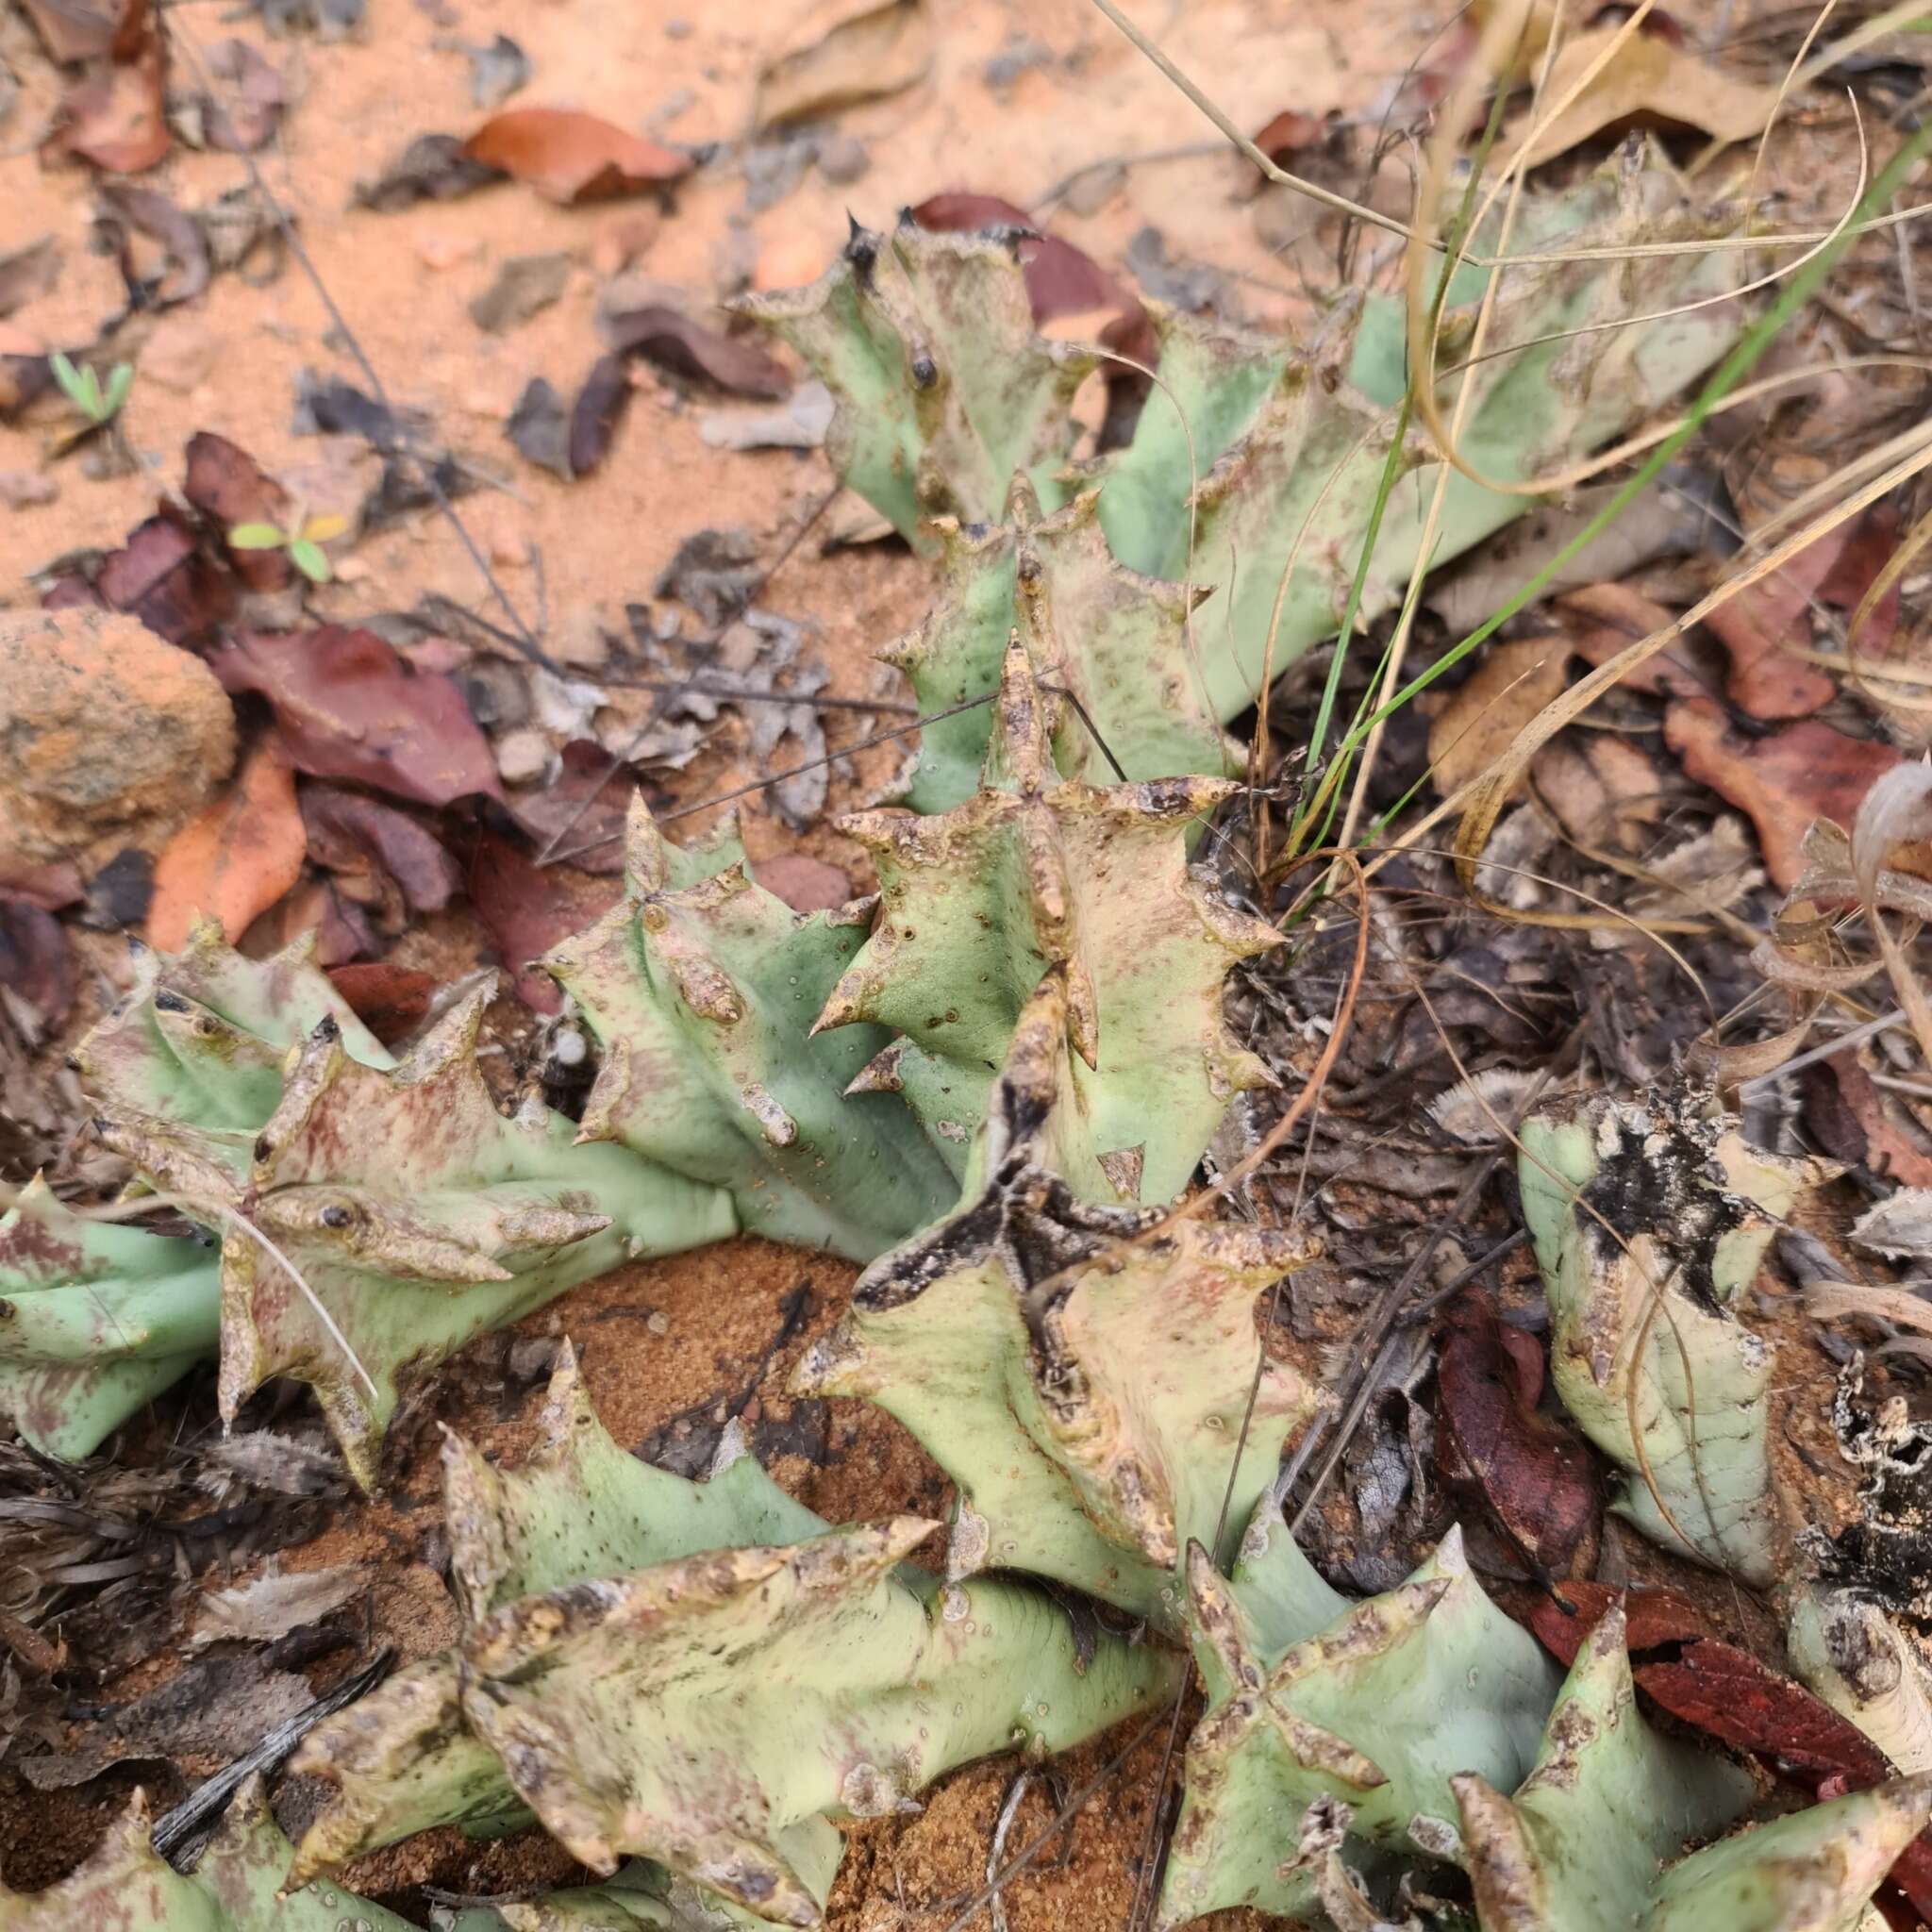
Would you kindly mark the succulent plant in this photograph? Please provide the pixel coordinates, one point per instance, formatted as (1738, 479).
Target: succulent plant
(1119, 642)
(96, 1319)
(1253, 450)
(1036, 872)
(702, 989)
(401, 1760)
(1859, 1660)
(1579, 1846)
(1087, 1403)
(1379, 1703)
(382, 1217)
(1647, 1220)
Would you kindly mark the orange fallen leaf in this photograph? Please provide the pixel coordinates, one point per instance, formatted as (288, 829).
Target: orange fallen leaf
(234, 860)
(1783, 782)
(1480, 721)
(570, 156)
(1649, 81)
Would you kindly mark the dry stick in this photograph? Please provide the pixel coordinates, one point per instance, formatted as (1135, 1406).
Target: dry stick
(525, 639)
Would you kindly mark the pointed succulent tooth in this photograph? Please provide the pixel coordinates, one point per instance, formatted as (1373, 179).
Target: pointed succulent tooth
(96, 1319)
(1869, 1669)
(1378, 1708)
(1086, 1397)
(644, 1897)
(1579, 1846)
(703, 1711)
(202, 1035)
(1647, 1220)
(944, 391)
(402, 1760)
(383, 1217)
(1114, 645)
(1810, 1871)
(1036, 872)
(236, 1886)
(702, 989)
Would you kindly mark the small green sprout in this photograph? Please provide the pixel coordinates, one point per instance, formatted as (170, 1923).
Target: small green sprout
(303, 540)
(82, 388)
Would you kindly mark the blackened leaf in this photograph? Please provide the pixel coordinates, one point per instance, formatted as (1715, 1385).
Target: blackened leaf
(354, 835)
(118, 895)
(34, 961)
(540, 429)
(596, 412)
(674, 341)
(150, 213)
(432, 168)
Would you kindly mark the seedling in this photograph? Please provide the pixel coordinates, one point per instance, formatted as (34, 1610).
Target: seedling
(82, 388)
(303, 541)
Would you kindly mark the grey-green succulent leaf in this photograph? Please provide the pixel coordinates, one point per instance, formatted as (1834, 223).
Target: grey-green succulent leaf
(1379, 1708)
(414, 1216)
(96, 1320)
(1036, 872)
(1608, 1802)
(402, 1759)
(1647, 1219)
(702, 989)
(1869, 1669)
(1087, 1397)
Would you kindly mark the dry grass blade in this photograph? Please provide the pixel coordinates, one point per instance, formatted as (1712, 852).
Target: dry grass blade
(1897, 810)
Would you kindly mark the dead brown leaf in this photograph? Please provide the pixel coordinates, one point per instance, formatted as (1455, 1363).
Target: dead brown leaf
(229, 487)
(570, 156)
(244, 108)
(391, 999)
(1512, 685)
(674, 341)
(1762, 625)
(1604, 619)
(26, 273)
(117, 117)
(85, 29)
(838, 53)
(528, 908)
(806, 884)
(35, 962)
(271, 1605)
(1782, 781)
(1649, 81)
(235, 859)
(393, 857)
(1602, 788)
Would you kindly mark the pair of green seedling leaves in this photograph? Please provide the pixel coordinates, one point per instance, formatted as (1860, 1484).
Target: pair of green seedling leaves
(1254, 468)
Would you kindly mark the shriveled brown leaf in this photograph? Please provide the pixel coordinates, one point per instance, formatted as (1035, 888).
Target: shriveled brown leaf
(391, 999)
(118, 117)
(234, 860)
(673, 340)
(27, 272)
(1288, 132)
(317, 910)
(1512, 685)
(244, 108)
(1604, 619)
(1762, 625)
(582, 809)
(434, 167)
(85, 29)
(1781, 781)
(1603, 789)
(841, 51)
(35, 962)
(349, 707)
(571, 157)
(596, 414)
(1855, 1121)
(229, 487)
(161, 576)
(1649, 81)
(363, 838)
(1532, 1476)
(149, 213)
(528, 908)
(271, 1605)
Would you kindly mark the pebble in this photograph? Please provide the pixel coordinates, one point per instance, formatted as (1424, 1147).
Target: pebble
(442, 251)
(843, 159)
(522, 757)
(658, 1322)
(26, 489)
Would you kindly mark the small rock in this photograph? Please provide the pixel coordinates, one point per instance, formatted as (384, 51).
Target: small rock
(843, 159)
(522, 757)
(658, 1322)
(26, 489)
(806, 884)
(442, 251)
(75, 682)
(179, 354)
(580, 638)
(524, 284)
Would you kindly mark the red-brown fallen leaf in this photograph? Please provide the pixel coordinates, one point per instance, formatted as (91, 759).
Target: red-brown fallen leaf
(1869, 551)
(528, 908)
(85, 29)
(150, 213)
(1534, 1476)
(361, 838)
(674, 341)
(50, 886)
(35, 963)
(1761, 626)
(570, 156)
(391, 999)
(349, 707)
(1859, 1126)
(1783, 780)
(229, 487)
(118, 117)
(583, 810)
(161, 575)
(1290, 131)
(596, 414)
(1726, 1693)
(806, 884)
(245, 108)
(1604, 619)
(234, 860)
(339, 928)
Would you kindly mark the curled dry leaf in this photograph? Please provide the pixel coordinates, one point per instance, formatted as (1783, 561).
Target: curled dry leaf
(1782, 781)
(1604, 619)
(1649, 81)
(1763, 625)
(434, 167)
(244, 109)
(838, 53)
(85, 29)
(1512, 685)
(674, 341)
(596, 414)
(35, 964)
(391, 999)
(151, 213)
(1534, 1476)
(349, 707)
(234, 860)
(117, 118)
(361, 838)
(229, 487)
(1853, 1121)
(271, 1605)
(161, 575)
(570, 156)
